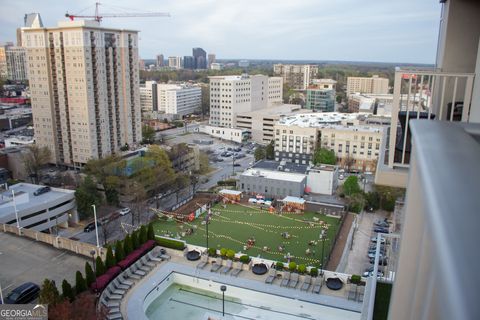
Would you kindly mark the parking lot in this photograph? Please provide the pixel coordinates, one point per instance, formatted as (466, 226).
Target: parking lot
(25, 260)
(358, 259)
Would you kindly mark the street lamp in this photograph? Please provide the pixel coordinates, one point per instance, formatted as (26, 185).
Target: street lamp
(207, 218)
(96, 225)
(223, 288)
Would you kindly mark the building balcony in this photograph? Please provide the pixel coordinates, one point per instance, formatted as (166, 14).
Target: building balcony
(425, 94)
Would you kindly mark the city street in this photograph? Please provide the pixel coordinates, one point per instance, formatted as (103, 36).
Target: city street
(225, 169)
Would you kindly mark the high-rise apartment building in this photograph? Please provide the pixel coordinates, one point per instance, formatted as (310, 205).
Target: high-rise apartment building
(84, 82)
(200, 57)
(175, 62)
(297, 76)
(375, 85)
(160, 60)
(3, 60)
(188, 62)
(16, 63)
(211, 59)
(179, 100)
(148, 96)
(230, 95)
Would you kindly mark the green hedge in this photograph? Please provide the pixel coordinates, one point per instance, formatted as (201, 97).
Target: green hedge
(245, 259)
(355, 278)
(228, 182)
(314, 272)
(170, 243)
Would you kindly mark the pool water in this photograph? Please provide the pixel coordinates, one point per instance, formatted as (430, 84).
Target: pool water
(181, 301)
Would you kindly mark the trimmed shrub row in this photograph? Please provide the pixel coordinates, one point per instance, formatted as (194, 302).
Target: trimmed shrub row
(170, 243)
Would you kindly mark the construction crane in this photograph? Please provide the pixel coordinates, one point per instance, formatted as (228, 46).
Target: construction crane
(99, 16)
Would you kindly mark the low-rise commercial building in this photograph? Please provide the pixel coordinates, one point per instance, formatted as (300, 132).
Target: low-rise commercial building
(260, 123)
(272, 183)
(322, 100)
(37, 212)
(229, 134)
(322, 179)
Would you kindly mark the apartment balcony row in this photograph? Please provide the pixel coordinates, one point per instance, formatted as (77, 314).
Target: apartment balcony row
(426, 94)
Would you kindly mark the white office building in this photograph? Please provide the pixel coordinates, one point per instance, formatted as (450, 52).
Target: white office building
(175, 62)
(179, 99)
(230, 95)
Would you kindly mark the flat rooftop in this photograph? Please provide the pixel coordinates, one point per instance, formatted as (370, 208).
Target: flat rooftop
(287, 166)
(359, 128)
(316, 119)
(276, 110)
(24, 198)
(275, 175)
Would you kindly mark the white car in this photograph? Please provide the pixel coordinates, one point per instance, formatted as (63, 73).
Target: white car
(124, 211)
(341, 177)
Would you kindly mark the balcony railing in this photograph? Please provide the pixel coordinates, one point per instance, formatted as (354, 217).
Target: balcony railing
(425, 94)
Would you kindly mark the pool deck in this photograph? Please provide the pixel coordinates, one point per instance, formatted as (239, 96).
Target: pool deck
(132, 306)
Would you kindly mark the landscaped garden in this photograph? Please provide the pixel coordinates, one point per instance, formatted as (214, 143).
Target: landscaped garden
(257, 232)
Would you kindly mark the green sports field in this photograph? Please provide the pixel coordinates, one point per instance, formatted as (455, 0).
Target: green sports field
(231, 227)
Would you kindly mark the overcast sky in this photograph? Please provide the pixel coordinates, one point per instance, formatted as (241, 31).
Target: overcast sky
(353, 30)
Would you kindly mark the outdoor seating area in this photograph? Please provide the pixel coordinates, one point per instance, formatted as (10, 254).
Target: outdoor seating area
(116, 283)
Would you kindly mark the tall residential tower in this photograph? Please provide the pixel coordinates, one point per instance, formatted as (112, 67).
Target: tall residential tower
(84, 83)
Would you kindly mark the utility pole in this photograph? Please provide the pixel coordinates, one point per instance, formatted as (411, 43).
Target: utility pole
(96, 223)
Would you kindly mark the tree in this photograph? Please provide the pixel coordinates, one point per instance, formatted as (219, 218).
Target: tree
(112, 185)
(260, 153)
(82, 308)
(99, 266)
(348, 162)
(89, 275)
(372, 200)
(80, 285)
(324, 156)
(355, 202)
(110, 259)
(135, 240)
(143, 235)
(67, 291)
(150, 232)
(127, 245)
(108, 226)
(137, 205)
(388, 196)
(181, 182)
(270, 150)
(204, 162)
(350, 186)
(119, 253)
(49, 293)
(148, 134)
(34, 159)
(86, 195)
(205, 100)
(339, 99)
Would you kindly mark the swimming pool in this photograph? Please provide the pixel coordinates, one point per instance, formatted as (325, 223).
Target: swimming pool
(181, 296)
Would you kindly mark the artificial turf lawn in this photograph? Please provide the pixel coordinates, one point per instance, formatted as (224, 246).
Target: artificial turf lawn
(236, 224)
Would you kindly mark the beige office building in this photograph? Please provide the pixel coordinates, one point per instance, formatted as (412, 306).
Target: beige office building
(297, 76)
(17, 64)
(356, 146)
(230, 95)
(375, 85)
(84, 82)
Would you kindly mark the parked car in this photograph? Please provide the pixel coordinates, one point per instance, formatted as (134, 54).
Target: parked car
(89, 227)
(382, 223)
(341, 177)
(237, 149)
(381, 230)
(381, 262)
(374, 240)
(372, 255)
(124, 211)
(237, 165)
(23, 294)
(382, 251)
(370, 274)
(41, 190)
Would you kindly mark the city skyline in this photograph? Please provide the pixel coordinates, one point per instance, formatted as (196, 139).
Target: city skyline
(306, 30)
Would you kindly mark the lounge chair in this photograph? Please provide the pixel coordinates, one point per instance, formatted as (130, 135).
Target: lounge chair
(117, 284)
(352, 292)
(111, 296)
(114, 316)
(163, 255)
(216, 266)
(146, 262)
(227, 268)
(203, 262)
(114, 290)
(272, 273)
(306, 283)
(293, 280)
(131, 274)
(237, 269)
(153, 257)
(285, 279)
(136, 270)
(317, 285)
(122, 278)
(109, 304)
(360, 294)
(143, 267)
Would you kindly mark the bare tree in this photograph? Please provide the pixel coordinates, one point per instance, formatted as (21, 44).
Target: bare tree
(34, 159)
(138, 195)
